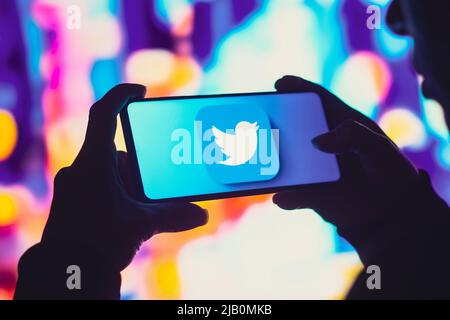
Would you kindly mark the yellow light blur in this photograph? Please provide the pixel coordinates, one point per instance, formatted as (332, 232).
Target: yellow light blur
(404, 128)
(64, 140)
(166, 276)
(8, 134)
(8, 210)
(150, 66)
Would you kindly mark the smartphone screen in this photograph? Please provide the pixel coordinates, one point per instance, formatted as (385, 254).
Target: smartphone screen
(208, 147)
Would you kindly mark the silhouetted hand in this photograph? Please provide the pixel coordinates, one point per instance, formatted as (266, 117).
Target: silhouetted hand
(91, 205)
(376, 179)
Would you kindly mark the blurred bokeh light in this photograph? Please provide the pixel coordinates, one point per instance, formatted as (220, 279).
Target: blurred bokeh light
(51, 71)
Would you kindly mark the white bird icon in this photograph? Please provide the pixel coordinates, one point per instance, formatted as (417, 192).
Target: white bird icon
(240, 146)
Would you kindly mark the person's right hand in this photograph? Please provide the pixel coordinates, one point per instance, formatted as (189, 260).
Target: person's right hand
(376, 179)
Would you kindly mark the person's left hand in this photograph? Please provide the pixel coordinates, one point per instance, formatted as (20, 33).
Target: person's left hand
(91, 204)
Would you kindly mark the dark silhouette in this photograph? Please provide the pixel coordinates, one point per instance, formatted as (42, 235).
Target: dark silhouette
(384, 206)
(93, 222)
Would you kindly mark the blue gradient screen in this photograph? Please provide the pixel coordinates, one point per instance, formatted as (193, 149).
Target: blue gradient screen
(172, 136)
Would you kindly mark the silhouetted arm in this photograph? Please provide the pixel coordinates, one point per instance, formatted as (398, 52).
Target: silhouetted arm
(44, 273)
(411, 248)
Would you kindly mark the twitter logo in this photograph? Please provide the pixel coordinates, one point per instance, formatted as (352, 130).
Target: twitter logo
(239, 139)
(241, 146)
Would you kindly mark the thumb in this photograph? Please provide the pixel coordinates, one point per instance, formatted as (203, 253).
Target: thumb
(102, 123)
(171, 217)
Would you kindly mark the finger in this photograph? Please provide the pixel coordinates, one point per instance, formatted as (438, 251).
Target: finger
(378, 154)
(291, 200)
(296, 84)
(352, 137)
(172, 217)
(336, 110)
(305, 197)
(103, 117)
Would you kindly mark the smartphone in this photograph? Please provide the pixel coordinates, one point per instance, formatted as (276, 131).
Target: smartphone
(195, 148)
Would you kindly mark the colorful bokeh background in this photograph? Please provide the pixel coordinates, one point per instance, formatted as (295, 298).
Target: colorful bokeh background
(51, 73)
